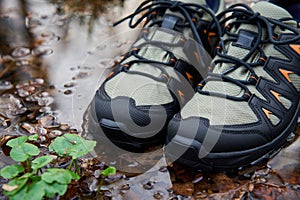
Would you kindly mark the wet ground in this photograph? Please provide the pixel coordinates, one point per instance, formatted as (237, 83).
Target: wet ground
(49, 72)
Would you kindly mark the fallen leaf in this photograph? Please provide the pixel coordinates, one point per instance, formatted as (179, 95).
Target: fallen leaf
(9, 188)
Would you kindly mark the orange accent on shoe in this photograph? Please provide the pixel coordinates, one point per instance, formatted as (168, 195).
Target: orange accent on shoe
(196, 56)
(189, 76)
(296, 47)
(263, 59)
(254, 78)
(249, 95)
(180, 93)
(267, 113)
(166, 76)
(277, 95)
(286, 74)
(110, 74)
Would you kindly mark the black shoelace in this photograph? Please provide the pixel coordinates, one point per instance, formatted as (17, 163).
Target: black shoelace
(152, 11)
(242, 14)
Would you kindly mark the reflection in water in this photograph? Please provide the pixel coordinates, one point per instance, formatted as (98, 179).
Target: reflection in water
(54, 55)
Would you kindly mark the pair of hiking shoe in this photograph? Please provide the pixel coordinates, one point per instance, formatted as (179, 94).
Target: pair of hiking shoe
(233, 111)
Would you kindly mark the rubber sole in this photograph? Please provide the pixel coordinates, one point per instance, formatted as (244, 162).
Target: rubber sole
(228, 161)
(108, 131)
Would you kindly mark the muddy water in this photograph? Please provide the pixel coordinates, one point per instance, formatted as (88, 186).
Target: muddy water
(60, 57)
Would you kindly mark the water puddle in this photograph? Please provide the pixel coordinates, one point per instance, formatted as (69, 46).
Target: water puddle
(55, 54)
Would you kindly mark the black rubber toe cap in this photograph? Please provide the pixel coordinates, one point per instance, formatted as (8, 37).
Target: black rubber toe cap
(216, 139)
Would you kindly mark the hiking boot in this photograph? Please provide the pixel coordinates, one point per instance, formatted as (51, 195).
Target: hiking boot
(246, 109)
(159, 73)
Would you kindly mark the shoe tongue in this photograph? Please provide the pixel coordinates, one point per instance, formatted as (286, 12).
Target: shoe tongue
(159, 35)
(265, 9)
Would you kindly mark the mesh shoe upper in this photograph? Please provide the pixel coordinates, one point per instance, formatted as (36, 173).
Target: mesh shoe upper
(159, 72)
(241, 112)
(147, 90)
(251, 96)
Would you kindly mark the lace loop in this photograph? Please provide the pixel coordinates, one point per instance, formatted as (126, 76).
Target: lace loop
(242, 14)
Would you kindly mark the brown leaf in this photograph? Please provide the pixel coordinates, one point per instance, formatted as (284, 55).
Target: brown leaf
(3, 141)
(185, 189)
(9, 188)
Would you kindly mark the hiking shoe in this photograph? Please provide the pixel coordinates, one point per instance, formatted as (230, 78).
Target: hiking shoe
(147, 87)
(246, 109)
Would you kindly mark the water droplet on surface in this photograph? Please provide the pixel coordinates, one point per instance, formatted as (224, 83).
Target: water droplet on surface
(158, 195)
(149, 185)
(81, 75)
(37, 81)
(68, 92)
(20, 52)
(23, 93)
(24, 62)
(6, 85)
(69, 85)
(125, 187)
(163, 169)
(42, 51)
(56, 132)
(134, 164)
(45, 101)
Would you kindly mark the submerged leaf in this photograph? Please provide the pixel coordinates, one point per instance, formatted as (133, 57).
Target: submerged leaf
(72, 145)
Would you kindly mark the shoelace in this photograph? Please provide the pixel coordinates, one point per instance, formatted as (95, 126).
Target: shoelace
(151, 9)
(245, 15)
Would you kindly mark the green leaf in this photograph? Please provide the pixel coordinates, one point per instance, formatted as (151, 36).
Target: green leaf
(54, 188)
(35, 191)
(17, 141)
(61, 176)
(23, 152)
(109, 171)
(31, 149)
(11, 171)
(20, 194)
(41, 162)
(33, 137)
(18, 154)
(72, 145)
(61, 146)
(27, 175)
(18, 182)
